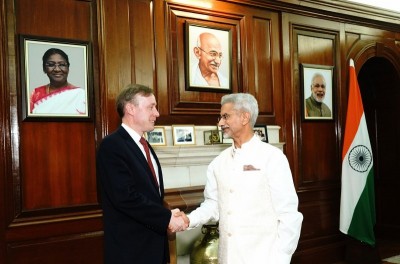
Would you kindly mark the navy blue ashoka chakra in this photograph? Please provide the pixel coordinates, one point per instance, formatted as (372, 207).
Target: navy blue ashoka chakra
(360, 158)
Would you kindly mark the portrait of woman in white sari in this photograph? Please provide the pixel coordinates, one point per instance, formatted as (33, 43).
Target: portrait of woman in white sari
(58, 96)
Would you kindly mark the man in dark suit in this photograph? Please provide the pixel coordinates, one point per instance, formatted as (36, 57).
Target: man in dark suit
(132, 192)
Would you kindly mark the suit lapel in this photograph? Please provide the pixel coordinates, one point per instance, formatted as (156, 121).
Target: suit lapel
(139, 154)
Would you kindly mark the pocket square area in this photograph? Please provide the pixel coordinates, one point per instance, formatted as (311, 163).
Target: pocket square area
(249, 168)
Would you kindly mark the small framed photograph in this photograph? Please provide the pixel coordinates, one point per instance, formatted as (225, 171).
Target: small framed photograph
(183, 135)
(55, 79)
(156, 137)
(261, 132)
(317, 91)
(208, 53)
(212, 137)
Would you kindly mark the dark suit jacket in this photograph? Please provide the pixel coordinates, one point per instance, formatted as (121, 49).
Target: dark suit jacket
(135, 221)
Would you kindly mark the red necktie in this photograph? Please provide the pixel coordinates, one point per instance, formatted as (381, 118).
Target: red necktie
(146, 149)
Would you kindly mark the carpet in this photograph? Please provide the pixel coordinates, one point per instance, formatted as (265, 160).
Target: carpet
(394, 260)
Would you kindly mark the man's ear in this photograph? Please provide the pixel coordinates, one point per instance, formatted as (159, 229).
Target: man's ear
(129, 109)
(196, 51)
(246, 118)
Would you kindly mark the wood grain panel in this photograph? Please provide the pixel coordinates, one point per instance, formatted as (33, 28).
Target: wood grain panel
(127, 53)
(142, 43)
(33, 19)
(320, 238)
(320, 151)
(60, 250)
(5, 131)
(56, 159)
(263, 65)
(57, 165)
(54, 225)
(316, 151)
(116, 59)
(261, 59)
(316, 49)
(320, 208)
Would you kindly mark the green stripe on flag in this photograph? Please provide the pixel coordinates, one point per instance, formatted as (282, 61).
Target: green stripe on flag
(363, 221)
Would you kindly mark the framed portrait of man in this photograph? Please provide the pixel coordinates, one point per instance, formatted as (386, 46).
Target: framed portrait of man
(54, 79)
(208, 58)
(317, 91)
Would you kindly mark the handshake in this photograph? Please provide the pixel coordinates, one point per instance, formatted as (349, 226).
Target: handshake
(179, 221)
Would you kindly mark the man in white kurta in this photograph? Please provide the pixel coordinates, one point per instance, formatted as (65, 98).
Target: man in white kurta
(250, 191)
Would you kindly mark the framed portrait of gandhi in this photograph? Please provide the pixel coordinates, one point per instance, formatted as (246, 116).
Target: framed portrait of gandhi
(55, 79)
(317, 91)
(208, 53)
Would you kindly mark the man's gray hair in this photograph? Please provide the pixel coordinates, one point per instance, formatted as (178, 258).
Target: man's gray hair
(315, 76)
(243, 102)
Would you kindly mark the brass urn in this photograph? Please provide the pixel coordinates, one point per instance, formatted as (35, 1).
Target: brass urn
(205, 250)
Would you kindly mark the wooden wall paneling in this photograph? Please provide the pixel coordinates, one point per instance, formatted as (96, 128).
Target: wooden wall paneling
(290, 120)
(142, 42)
(11, 114)
(161, 62)
(128, 50)
(268, 81)
(318, 138)
(263, 66)
(54, 172)
(61, 225)
(57, 165)
(319, 207)
(349, 10)
(315, 153)
(41, 18)
(329, 252)
(60, 250)
(50, 185)
(5, 129)
(116, 49)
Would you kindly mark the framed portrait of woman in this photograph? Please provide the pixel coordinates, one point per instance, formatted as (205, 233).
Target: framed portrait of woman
(55, 79)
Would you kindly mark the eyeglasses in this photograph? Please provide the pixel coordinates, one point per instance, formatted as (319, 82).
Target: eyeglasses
(224, 117)
(61, 66)
(317, 85)
(213, 54)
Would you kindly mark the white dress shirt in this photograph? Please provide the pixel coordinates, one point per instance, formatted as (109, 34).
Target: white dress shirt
(136, 137)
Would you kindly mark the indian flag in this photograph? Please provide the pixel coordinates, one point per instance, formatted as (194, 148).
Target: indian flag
(357, 201)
